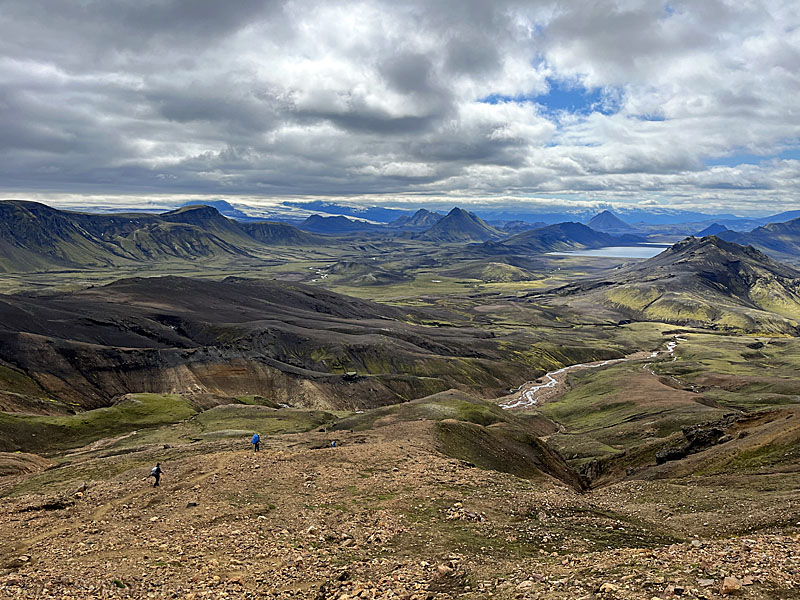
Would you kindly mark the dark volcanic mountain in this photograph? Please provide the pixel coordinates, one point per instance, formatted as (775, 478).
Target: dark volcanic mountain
(210, 221)
(563, 236)
(422, 219)
(335, 225)
(713, 229)
(704, 282)
(461, 226)
(779, 240)
(273, 233)
(226, 209)
(608, 222)
(35, 237)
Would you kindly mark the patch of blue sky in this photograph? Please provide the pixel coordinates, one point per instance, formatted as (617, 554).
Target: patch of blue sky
(745, 158)
(566, 96)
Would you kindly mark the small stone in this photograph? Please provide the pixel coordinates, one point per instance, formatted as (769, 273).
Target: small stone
(153, 519)
(525, 585)
(705, 582)
(697, 544)
(444, 570)
(608, 587)
(731, 585)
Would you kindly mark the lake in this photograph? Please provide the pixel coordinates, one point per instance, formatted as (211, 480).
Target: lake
(617, 252)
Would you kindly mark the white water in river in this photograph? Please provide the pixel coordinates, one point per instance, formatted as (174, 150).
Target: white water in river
(530, 392)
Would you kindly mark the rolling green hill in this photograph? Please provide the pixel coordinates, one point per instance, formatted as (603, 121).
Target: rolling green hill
(493, 272)
(705, 282)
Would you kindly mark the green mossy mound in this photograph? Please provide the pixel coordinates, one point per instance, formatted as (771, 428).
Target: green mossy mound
(478, 432)
(49, 434)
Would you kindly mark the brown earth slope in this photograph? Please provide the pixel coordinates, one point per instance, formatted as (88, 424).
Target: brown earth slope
(383, 515)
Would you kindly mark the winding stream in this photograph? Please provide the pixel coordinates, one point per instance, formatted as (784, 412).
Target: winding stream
(533, 393)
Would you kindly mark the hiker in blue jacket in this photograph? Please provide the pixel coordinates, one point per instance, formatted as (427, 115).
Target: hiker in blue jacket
(255, 441)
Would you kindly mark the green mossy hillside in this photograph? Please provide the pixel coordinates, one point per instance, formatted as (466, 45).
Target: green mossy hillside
(49, 434)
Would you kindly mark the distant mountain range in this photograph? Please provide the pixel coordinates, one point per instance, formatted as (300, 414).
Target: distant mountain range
(378, 214)
(779, 240)
(35, 237)
(702, 282)
(644, 221)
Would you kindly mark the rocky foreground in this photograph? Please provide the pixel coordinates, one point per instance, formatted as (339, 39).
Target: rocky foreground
(384, 515)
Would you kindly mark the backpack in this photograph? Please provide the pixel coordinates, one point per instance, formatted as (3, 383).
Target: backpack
(154, 471)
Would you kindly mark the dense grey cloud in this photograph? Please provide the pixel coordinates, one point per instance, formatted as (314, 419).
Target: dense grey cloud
(685, 103)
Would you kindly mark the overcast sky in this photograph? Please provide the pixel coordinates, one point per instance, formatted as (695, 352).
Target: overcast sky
(693, 104)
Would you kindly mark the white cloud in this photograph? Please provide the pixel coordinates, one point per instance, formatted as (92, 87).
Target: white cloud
(376, 98)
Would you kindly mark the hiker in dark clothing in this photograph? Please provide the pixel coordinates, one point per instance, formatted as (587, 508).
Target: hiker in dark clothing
(156, 472)
(256, 441)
